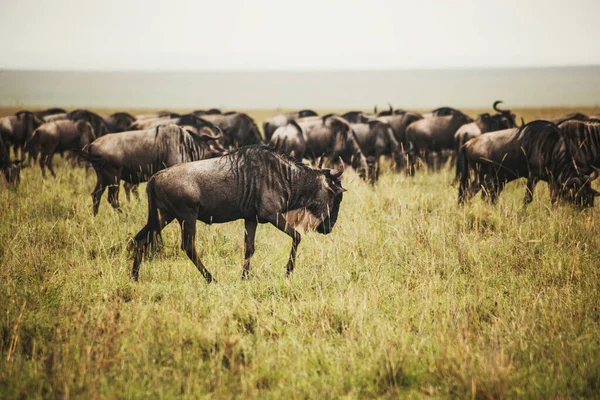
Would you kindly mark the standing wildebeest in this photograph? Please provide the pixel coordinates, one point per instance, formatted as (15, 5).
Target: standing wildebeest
(332, 137)
(17, 129)
(289, 139)
(57, 137)
(271, 124)
(238, 129)
(376, 139)
(119, 122)
(435, 133)
(134, 156)
(253, 184)
(582, 138)
(503, 119)
(96, 121)
(536, 151)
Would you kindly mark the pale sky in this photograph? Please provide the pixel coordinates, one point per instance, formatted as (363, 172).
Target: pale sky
(296, 35)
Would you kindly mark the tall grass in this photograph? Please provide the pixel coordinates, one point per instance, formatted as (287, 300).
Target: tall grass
(410, 295)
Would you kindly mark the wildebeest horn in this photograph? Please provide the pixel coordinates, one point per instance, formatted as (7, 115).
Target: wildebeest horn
(391, 108)
(338, 173)
(522, 122)
(375, 109)
(495, 106)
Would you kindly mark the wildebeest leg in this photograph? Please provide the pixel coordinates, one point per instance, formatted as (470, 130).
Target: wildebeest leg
(145, 238)
(497, 186)
(188, 236)
(49, 164)
(42, 163)
(281, 224)
(250, 227)
(97, 193)
(127, 188)
(531, 182)
(113, 192)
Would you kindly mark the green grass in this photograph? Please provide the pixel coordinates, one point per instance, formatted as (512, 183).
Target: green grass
(409, 296)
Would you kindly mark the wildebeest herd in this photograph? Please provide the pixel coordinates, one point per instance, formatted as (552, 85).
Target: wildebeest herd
(217, 167)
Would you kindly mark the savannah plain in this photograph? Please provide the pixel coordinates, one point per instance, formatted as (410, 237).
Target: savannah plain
(410, 296)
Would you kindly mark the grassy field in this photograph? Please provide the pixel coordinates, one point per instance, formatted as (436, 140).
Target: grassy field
(409, 296)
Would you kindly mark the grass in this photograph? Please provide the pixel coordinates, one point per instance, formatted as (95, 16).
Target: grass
(409, 296)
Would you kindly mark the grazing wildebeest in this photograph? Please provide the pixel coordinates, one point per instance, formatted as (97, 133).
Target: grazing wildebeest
(536, 151)
(10, 169)
(119, 122)
(435, 133)
(17, 129)
(289, 139)
(238, 129)
(57, 137)
(332, 137)
(134, 156)
(96, 121)
(190, 122)
(503, 119)
(377, 139)
(253, 184)
(271, 124)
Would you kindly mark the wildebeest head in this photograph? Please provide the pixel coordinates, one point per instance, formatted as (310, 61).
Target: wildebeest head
(326, 204)
(505, 118)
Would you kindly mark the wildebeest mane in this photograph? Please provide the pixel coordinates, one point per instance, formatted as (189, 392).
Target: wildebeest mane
(583, 139)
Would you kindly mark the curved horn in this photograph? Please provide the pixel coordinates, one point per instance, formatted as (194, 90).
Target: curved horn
(522, 122)
(391, 108)
(495, 106)
(338, 173)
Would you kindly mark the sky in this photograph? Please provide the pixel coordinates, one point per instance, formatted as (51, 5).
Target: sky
(242, 35)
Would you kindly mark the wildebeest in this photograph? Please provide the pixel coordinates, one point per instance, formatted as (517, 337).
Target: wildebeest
(253, 184)
(57, 137)
(332, 137)
(190, 122)
(16, 130)
(377, 139)
(435, 133)
(536, 151)
(289, 139)
(582, 139)
(119, 122)
(503, 119)
(271, 124)
(238, 129)
(134, 156)
(96, 121)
